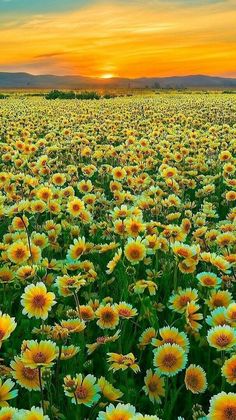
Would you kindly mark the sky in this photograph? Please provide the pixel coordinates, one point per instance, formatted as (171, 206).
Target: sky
(118, 38)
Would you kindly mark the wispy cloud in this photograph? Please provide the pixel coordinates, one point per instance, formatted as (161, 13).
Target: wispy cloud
(129, 38)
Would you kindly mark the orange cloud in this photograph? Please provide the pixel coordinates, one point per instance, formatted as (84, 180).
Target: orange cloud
(128, 40)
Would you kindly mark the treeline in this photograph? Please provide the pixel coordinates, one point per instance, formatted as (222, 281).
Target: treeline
(59, 94)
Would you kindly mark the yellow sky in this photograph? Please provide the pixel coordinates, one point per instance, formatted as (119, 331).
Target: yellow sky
(129, 39)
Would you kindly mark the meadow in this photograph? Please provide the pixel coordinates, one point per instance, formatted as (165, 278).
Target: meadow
(118, 258)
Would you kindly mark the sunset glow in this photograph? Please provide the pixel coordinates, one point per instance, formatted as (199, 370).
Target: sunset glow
(126, 38)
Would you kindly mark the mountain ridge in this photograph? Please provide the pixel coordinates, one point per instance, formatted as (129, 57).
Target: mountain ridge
(51, 81)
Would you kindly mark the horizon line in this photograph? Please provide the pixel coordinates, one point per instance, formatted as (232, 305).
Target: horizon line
(117, 77)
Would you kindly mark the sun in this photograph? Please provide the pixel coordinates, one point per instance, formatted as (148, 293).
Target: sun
(107, 76)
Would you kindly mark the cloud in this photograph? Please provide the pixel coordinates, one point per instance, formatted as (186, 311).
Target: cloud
(131, 38)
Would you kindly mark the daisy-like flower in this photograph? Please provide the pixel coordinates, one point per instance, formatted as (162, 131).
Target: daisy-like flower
(219, 298)
(108, 390)
(35, 413)
(169, 359)
(222, 337)
(134, 227)
(76, 249)
(183, 250)
(141, 285)
(25, 376)
(222, 406)
(154, 386)
(8, 413)
(135, 250)
(125, 310)
(101, 341)
(68, 284)
(122, 362)
(209, 280)
(192, 316)
(121, 411)
(217, 317)
(38, 354)
(6, 392)
(220, 262)
(18, 252)
(108, 316)
(113, 263)
(195, 379)
(229, 370)
(37, 301)
(171, 335)
(230, 314)
(146, 337)
(75, 206)
(67, 352)
(73, 325)
(6, 275)
(82, 390)
(7, 326)
(179, 301)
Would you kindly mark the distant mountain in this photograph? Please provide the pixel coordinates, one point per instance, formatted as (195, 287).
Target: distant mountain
(48, 81)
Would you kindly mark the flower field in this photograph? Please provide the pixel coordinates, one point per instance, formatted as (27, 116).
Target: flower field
(118, 258)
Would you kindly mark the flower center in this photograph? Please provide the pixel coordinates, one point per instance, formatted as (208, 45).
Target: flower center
(39, 357)
(134, 253)
(20, 253)
(107, 316)
(169, 360)
(39, 301)
(81, 392)
(222, 340)
(192, 381)
(230, 413)
(29, 373)
(153, 386)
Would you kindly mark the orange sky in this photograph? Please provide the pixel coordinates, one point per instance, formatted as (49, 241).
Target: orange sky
(123, 38)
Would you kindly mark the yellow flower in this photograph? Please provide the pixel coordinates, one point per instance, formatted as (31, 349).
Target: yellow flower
(75, 206)
(195, 379)
(222, 407)
(84, 390)
(154, 386)
(25, 376)
(169, 359)
(18, 252)
(73, 325)
(108, 390)
(146, 337)
(134, 227)
(135, 250)
(120, 412)
(125, 310)
(6, 392)
(36, 354)
(108, 316)
(101, 341)
(37, 301)
(6, 275)
(222, 337)
(123, 362)
(8, 413)
(7, 326)
(113, 263)
(192, 317)
(229, 370)
(76, 249)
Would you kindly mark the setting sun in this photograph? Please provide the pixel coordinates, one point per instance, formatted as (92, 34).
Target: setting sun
(107, 76)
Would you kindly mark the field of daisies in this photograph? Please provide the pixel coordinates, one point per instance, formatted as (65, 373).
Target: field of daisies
(118, 258)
